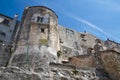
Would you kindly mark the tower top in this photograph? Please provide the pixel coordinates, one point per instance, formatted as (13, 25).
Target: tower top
(43, 7)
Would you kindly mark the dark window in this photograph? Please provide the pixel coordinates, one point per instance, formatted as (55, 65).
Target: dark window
(2, 33)
(5, 21)
(42, 30)
(40, 19)
(82, 35)
(84, 40)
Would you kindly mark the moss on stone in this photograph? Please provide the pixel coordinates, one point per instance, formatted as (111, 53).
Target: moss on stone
(75, 72)
(43, 41)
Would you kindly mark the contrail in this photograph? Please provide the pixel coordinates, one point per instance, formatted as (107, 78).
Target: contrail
(90, 25)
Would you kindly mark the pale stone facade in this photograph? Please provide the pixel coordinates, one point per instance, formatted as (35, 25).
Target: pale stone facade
(39, 27)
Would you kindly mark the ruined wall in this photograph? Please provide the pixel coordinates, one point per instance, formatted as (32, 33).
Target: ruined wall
(75, 43)
(74, 39)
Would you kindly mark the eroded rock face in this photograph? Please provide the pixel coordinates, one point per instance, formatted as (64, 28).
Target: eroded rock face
(111, 63)
(36, 58)
(4, 55)
(15, 73)
(83, 61)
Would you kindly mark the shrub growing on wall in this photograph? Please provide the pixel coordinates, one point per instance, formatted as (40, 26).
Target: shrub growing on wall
(59, 53)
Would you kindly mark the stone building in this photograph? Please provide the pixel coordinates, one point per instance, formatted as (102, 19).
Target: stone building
(39, 26)
(8, 30)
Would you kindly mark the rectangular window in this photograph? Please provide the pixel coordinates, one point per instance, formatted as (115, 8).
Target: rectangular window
(40, 19)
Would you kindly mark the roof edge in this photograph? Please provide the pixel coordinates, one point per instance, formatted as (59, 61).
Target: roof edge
(44, 7)
(6, 16)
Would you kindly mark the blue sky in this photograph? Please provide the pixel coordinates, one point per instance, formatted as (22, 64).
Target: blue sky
(98, 17)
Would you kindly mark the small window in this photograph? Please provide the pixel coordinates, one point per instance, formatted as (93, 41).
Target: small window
(5, 21)
(2, 34)
(42, 30)
(38, 19)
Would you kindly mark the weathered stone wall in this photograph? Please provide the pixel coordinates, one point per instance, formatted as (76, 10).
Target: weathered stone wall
(71, 38)
(39, 22)
(108, 60)
(5, 56)
(38, 28)
(83, 61)
(111, 63)
(112, 45)
(33, 57)
(75, 43)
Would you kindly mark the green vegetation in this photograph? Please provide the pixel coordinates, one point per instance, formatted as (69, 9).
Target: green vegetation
(59, 53)
(43, 41)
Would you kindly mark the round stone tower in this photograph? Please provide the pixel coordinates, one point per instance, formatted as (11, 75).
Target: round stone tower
(39, 26)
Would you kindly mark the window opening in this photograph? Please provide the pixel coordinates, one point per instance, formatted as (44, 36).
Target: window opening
(42, 30)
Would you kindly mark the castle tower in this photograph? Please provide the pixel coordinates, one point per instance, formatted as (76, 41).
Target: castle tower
(39, 26)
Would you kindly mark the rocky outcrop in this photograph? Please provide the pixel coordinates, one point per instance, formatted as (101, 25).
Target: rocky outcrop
(5, 55)
(83, 61)
(33, 57)
(15, 73)
(56, 73)
(111, 63)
